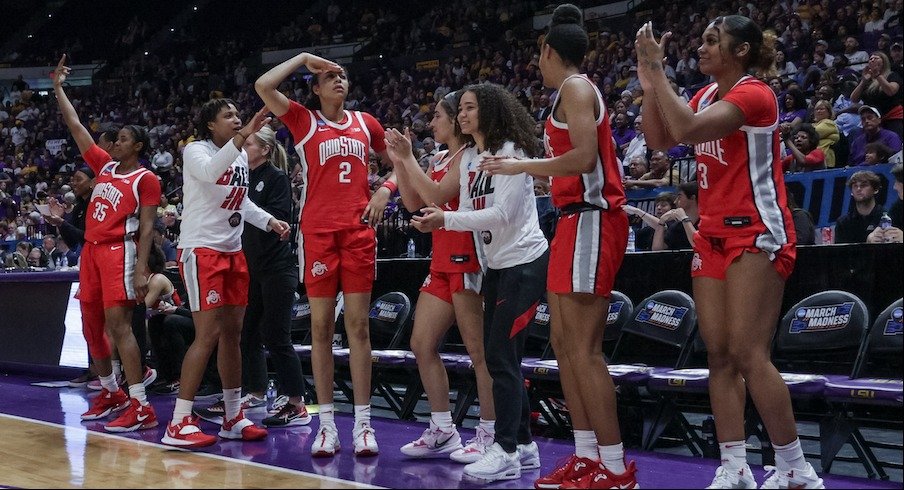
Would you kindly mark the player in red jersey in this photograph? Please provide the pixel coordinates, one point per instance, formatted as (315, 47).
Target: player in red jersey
(745, 246)
(451, 292)
(337, 248)
(113, 264)
(587, 251)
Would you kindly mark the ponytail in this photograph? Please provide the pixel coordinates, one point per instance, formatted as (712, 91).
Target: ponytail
(277, 156)
(763, 62)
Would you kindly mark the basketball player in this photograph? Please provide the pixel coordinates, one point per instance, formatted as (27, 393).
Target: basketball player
(337, 248)
(213, 267)
(744, 250)
(113, 263)
(502, 210)
(451, 292)
(589, 245)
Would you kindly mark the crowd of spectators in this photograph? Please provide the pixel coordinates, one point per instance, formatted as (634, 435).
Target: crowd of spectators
(838, 82)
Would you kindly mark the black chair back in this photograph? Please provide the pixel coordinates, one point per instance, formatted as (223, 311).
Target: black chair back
(388, 320)
(660, 331)
(881, 352)
(821, 334)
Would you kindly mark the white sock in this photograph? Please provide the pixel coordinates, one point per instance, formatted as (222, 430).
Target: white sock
(734, 454)
(137, 392)
(443, 420)
(327, 416)
(117, 367)
(585, 445)
(182, 410)
(362, 415)
(489, 426)
(232, 402)
(790, 456)
(613, 458)
(109, 382)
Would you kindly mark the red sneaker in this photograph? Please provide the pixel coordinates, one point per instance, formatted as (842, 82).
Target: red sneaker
(242, 429)
(137, 417)
(573, 469)
(187, 434)
(600, 477)
(106, 403)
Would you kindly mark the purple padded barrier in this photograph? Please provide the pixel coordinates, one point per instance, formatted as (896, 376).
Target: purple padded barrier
(685, 380)
(866, 390)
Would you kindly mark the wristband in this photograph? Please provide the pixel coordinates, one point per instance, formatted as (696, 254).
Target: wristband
(391, 186)
(686, 220)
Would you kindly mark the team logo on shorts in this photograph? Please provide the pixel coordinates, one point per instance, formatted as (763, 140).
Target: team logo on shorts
(213, 297)
(697, 262)
(235, 219)
(318, 269)
(426, 281)
(487, 237)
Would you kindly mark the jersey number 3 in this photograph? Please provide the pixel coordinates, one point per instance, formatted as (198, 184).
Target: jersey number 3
(100, 212)
(701, 176)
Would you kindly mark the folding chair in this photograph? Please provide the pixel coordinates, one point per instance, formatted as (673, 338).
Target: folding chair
(657, 345)
(388, 319)
(871, 398)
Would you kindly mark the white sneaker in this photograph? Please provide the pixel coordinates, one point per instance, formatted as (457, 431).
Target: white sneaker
(475, 448)
(733, 476)
(433, 442)
(529, 454)
(365, 440)
(496, 464)
(326, 441)
(806, 478)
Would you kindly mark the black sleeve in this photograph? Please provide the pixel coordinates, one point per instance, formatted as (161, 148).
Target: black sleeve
(73, 236)
(278, 200)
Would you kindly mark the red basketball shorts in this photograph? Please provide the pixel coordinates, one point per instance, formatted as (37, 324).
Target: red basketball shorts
(344, 259)
(712, 256)
(214, 279)
(587, 252)
(106, 272)
(444, 285)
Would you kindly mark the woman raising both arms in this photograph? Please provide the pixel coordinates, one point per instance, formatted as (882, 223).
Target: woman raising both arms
(744, 250)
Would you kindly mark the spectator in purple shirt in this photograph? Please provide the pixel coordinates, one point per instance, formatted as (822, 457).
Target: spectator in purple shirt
(793, 110)
(872, 132)
(623, 134)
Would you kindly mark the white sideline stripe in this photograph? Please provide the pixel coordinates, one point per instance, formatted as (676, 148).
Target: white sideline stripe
(209, 455)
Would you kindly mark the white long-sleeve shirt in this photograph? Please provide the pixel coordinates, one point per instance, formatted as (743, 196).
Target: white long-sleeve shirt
(215, 202)
(502, 208)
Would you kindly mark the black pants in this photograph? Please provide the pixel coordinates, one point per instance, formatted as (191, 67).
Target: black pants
(268, 322)
(171, 335)
(511, 296)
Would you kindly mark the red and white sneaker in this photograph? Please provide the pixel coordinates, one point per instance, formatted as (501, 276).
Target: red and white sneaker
(137, 417)
(600, 477)
(475, 448)
(326, 441)
(187, 434)
(240, 428)
(572, 469)
(106, 403)
(365, 440)
(435, 441)
(150, 375)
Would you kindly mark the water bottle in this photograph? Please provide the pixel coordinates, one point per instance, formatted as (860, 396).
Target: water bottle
(631, 238)
(64, 262)
(710, 443)
(411, 250)
(885, 222)
(271, 392)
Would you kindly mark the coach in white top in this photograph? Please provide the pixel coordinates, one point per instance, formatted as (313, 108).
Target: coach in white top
(213, 267)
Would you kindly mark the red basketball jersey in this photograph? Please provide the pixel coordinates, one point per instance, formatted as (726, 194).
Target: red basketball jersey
(603, 186)
(113, 209)
(453, 251)
(334, 163)
(741, 186)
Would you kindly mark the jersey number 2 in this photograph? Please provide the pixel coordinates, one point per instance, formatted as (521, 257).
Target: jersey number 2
(345, 169)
